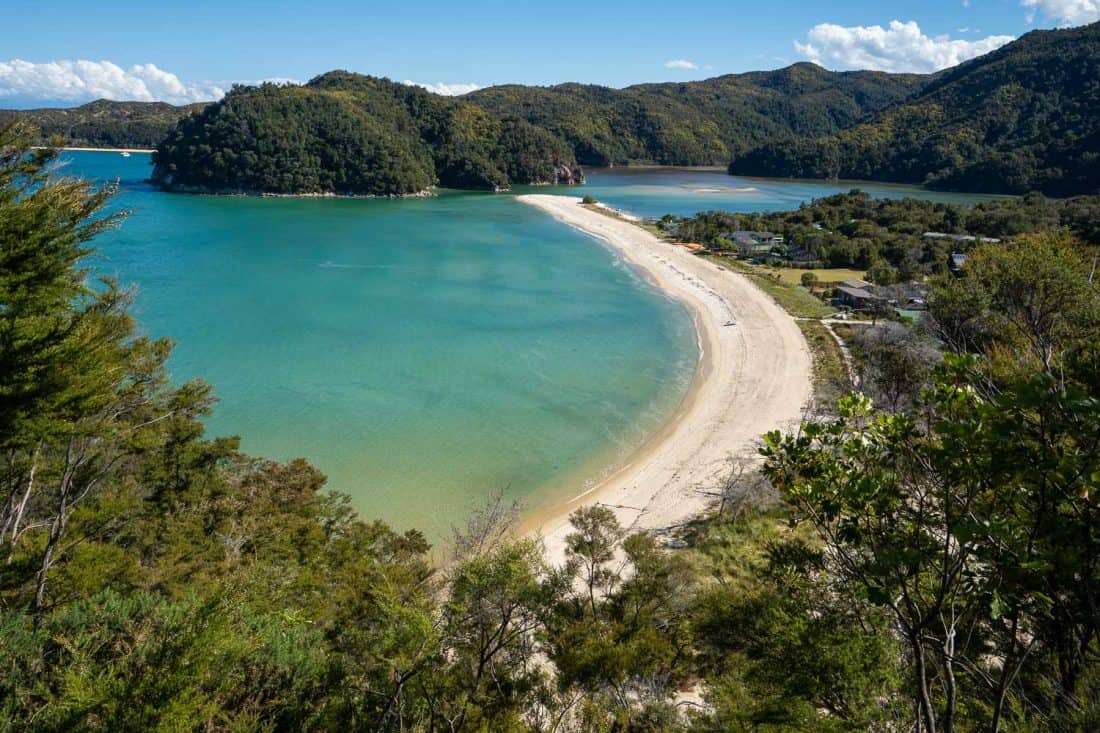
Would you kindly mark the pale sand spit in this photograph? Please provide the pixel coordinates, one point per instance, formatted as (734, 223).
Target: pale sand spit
(753, 376)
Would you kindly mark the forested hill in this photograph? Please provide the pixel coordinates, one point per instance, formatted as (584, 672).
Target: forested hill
(351, 134)
(1024, 117)
(104, 123)
(702, 122)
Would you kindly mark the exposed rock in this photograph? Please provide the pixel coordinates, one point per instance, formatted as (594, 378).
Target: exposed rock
(568, 174)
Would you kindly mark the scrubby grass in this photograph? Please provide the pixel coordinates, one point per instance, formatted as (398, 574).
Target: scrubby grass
(794, 299)
(731, 552)
(830, 372)
(848, 331)
(793, 275)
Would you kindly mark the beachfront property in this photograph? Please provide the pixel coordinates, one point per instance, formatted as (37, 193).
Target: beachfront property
(753, 243)
(961, 237)
(857, 295)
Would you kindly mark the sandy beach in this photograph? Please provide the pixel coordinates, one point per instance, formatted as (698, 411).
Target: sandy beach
(106, 150)
(753, 376)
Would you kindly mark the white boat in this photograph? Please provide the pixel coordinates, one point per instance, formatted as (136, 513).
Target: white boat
(125, 154)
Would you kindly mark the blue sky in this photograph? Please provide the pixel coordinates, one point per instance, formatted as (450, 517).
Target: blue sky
(182, 51)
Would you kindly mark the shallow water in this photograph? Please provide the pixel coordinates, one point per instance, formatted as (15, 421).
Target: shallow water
(424, 353)
(655, 192)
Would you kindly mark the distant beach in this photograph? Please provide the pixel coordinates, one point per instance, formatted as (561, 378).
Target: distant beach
(754, 375)
(100, 150)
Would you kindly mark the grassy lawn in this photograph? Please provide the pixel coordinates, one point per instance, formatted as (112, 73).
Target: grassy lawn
(794, 299)
(793, 275)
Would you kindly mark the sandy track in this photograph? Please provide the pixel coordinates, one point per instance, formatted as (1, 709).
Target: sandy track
(753, 377)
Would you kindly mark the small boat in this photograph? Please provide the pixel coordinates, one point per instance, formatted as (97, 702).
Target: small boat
(125, 154)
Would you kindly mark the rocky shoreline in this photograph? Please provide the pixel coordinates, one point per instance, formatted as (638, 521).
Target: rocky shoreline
(564, 175)
(208, 191)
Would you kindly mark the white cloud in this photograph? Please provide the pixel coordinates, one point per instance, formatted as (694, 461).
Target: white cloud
(447, 90)
(1065, 12)
(901, 47)
(680, 64)
(82, 81)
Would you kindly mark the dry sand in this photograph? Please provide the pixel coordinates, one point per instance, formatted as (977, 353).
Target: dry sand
(752, 377)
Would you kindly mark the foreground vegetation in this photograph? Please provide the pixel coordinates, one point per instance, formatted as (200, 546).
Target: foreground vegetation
(924, 562)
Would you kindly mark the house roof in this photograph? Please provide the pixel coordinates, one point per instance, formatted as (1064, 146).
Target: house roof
(858, 293)
(959, 237)
(744, 236)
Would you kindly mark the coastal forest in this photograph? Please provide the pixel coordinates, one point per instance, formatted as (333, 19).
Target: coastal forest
(899, 240)
(1025, 117)
(103, 123)
(928, 562)
(345, 133)
(1021, 118)
(701, 122)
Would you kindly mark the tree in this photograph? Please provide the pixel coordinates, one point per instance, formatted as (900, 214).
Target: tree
(81, 392)
(590, 548)
(973, 520)
(881, 273)
(809, 280)
(493, 609)
(1029, 304)
(895, 364)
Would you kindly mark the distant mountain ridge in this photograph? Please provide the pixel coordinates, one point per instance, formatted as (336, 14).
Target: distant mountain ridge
(701, 122)
(104, 123)
(1024, 117)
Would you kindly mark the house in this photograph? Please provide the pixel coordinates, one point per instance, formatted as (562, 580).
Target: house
(753, 243)
(957, 263)
(915, 298)
(857, 295)
(961, 237)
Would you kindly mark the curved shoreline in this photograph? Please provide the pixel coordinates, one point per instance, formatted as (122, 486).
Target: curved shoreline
(752, 377)
(96, 150)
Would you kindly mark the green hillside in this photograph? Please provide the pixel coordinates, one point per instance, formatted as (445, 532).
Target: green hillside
(346, 133)
(104, 123)
(703, 122)
(1024, 117)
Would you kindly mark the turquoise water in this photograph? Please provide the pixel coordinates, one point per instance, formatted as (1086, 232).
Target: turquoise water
(424, 353)
(686, 191)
